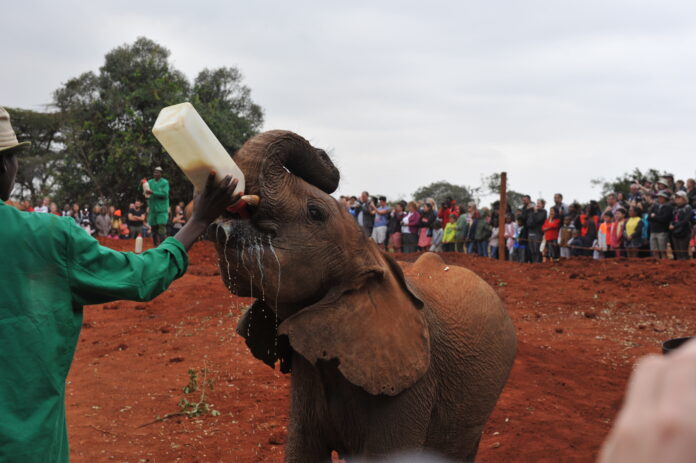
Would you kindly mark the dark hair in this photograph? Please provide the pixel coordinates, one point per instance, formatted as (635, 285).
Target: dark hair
(609, 214)
(382, 198)
(622, 210)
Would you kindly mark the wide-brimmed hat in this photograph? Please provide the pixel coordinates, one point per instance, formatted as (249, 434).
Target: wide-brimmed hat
(664, 181)
(8, 139)
(159, 169)
(664, 194)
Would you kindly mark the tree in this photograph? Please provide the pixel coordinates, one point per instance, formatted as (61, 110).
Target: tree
(39, 162)
(108, 118)
(442, 190)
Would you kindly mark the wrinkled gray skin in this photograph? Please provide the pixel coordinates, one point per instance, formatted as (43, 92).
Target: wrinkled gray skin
(384, 357)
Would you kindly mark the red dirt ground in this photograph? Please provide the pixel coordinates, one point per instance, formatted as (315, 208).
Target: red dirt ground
(581, 325)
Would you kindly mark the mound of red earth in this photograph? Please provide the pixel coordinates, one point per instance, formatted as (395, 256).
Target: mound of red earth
(581, 325)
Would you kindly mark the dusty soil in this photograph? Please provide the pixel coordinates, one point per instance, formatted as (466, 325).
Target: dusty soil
(581, 325)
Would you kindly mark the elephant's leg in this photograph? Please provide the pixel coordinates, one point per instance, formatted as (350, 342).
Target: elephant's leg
(457, 443)
(307, 430)
(399, 423)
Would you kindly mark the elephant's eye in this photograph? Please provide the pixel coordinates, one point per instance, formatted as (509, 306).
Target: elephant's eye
(315, 212)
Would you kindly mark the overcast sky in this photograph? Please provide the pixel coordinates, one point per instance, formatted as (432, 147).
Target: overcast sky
(406, 93)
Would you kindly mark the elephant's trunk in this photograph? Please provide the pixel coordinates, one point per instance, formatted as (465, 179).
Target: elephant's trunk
(277, 150)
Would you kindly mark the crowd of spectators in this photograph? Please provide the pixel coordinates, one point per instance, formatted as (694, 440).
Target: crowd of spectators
(654, 219)
(107, 221)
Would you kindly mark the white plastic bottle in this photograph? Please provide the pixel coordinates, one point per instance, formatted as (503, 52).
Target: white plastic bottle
(193, 146)
(139, 244)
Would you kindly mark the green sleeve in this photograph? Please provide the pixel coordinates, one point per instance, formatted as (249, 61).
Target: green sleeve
(98, 274)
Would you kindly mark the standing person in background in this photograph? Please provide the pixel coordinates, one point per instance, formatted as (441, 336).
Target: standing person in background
(437, 235)
(66, 210)
(633, 231)
(425, 225)
(680, 226)
(589, 224)
(525, 212)
(379, 230)
(519, 248)
(409, 228)
(482, 233)
(493, 243)
(617, 232)
(158, 206)
(115, 231)
(600, 245)
(44, 206)
(561, 207)
(179, 219)
(449, 235)
(660, 216)
(136, 218)
(394, 226)
(53, 209)
(449, 206)
(75, 213)
(365, 216)
(462, 229)
(103, 222)
(510, 229)
(535, 220)
(551, 228)
(565, 234)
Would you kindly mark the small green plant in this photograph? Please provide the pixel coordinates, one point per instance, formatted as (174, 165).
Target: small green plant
(190, 408)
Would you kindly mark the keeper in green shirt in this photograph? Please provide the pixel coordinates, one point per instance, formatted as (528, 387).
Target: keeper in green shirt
(158, 203)
(49, 269)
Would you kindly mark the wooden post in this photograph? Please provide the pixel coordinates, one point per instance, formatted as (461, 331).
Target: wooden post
(502, 213)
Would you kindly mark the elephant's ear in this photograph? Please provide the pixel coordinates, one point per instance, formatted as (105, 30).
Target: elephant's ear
(376, 329)
(259, 327)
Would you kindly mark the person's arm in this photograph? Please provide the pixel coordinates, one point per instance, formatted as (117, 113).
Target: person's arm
(208, 206)
(98, 274)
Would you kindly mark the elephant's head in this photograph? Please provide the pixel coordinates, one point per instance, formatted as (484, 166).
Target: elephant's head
(317, 278)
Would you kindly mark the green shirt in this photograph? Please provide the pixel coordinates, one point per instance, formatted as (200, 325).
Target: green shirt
(450, 232)
(49, 269)
(158, 202)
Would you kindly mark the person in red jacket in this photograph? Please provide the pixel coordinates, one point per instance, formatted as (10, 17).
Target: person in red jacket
(550, 228)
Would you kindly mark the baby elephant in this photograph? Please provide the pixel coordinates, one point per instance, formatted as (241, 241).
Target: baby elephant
(385, 357)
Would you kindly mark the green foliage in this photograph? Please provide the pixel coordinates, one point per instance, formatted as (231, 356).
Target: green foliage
(39, 162)
(491, 185)
(442, 190)
(623, 182)
(107, 120)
